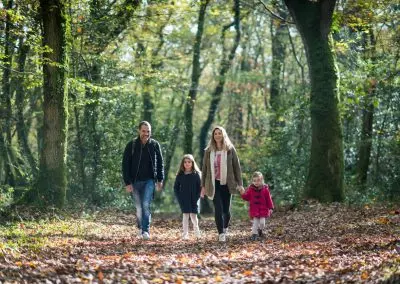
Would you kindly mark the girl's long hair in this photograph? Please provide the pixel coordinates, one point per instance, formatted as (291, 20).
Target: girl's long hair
(195, 168)
(226, 142)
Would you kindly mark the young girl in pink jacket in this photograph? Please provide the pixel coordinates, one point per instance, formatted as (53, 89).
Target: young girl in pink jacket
(261, 205)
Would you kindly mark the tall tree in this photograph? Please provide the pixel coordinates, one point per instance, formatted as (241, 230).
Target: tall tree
(106, 22)
(325, 176)
(364, 151)
(6, 153)
(225, 66)
(20, 91)
(52, 181)
(196, 73)
(278, 46)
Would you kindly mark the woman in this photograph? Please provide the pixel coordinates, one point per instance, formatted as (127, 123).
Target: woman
(221, 177)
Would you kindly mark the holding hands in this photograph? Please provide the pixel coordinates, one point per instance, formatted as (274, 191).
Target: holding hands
(202, 192)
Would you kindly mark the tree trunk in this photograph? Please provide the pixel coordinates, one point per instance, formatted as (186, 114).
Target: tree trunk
(173, 135)
(364, 152)
(148, 105)
(80, 154)
(6, 153)
(19, 102)
(196, 73)
(325, 176)
(278, 34)
(93, 141)
(225, 66)
(52, 181)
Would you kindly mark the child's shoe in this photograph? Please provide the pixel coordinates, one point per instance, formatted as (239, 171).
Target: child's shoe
(260, 234)
(254, 237)
(222, 238)
(198, 234)
(185, 236)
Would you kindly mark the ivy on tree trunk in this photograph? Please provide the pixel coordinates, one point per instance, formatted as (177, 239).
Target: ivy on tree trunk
(325, 177)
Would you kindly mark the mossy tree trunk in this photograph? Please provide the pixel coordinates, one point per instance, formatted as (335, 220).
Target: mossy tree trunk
(52, 183)
(325, 177)
(6, 153)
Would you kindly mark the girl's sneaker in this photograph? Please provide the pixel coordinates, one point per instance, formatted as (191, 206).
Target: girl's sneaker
(198, 234)
(222, 237)
(254, 237)
(260, 234)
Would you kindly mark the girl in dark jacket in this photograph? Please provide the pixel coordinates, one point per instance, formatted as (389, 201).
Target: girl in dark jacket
(261, 205)
(187, 189)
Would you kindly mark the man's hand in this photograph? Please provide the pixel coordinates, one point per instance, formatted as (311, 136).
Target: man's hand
(129, 188)
(241, 189)
(202, 192)
(159, 186)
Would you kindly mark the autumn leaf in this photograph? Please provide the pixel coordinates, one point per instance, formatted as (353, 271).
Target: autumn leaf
(100, 275)
(364, 275)
(383, 220)
(323, 243)
(247, 273)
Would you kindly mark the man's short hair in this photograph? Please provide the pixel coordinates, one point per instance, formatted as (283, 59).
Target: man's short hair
(144, 122)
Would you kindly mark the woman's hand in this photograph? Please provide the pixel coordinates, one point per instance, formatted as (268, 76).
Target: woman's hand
(240, 189)
(202, 192)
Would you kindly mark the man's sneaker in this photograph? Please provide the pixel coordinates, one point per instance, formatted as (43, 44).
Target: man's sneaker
(222, 237)
(226, 231)
(260, 233)
(145, 236)
(254, 237)
(139, 234)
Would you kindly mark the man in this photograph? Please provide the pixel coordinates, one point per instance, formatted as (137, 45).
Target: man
(142, 167)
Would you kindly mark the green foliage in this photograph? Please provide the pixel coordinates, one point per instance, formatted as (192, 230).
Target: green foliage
(6, 197)
(148, 50)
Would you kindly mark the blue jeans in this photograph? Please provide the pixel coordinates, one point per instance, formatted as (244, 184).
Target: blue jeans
(143, 195)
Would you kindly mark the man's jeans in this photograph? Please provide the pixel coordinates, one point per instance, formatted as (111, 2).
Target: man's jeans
(143, 195)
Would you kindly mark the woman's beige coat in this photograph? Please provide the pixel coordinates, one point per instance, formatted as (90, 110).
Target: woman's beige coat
(233, 175)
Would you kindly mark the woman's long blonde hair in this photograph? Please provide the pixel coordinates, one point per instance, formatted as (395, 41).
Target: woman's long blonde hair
(226, 142)
(195, 168)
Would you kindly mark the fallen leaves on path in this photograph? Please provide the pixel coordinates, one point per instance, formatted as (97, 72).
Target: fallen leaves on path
(317, 244)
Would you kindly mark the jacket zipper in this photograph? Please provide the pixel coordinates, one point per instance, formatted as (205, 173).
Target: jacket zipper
(140, 158)
(152, 164)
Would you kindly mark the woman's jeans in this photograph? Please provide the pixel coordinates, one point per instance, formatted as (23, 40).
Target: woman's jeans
(143, 192)
(222, 204)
